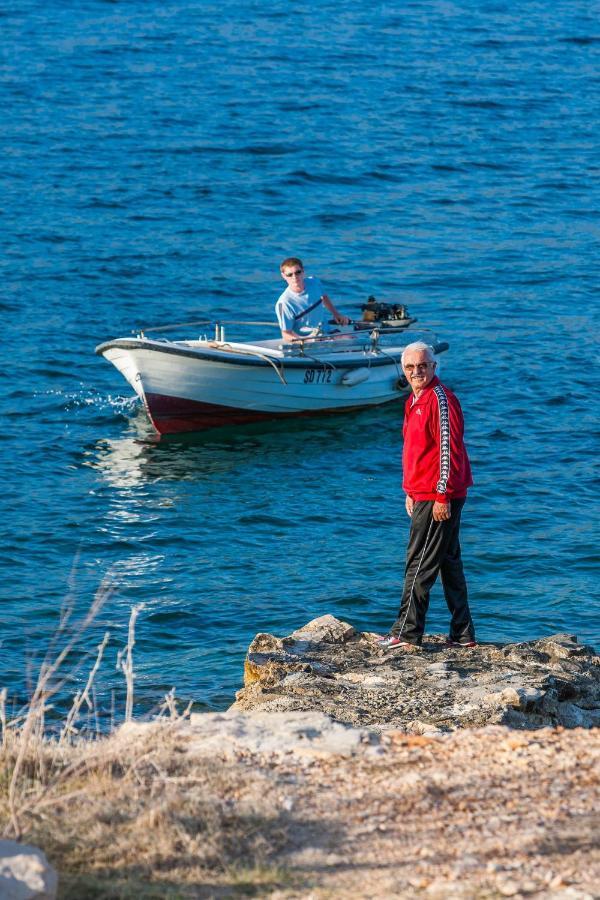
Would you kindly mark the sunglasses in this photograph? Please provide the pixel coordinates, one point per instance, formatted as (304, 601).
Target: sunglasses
(295, 272)
(419, 366)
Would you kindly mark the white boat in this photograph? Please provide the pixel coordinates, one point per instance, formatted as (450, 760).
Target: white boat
(192, 385)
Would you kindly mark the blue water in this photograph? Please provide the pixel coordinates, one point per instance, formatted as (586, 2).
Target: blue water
(158, 161)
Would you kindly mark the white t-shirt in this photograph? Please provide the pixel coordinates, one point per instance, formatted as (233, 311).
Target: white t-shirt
(291, 305)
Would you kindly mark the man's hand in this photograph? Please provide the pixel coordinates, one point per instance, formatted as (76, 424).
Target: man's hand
(338, 317)
(441, 511)
(410, 505)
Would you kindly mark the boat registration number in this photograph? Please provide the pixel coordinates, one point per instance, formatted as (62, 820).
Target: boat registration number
(317, 376)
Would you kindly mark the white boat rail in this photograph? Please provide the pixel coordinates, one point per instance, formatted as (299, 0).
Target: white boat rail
(214, 322)
(358, 327)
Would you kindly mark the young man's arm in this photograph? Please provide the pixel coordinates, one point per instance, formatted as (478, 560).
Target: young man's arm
(339, 318)
(290, 336)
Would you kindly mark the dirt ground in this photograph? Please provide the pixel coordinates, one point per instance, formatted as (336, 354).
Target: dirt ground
(477, 814)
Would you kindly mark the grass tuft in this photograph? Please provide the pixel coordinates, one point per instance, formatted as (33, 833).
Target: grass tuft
(132, 813)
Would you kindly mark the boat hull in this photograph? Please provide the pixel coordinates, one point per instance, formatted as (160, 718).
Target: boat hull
(187, 389)
(174, 415)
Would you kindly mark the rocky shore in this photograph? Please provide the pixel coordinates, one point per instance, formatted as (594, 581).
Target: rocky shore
(342, 771)
(328, 666)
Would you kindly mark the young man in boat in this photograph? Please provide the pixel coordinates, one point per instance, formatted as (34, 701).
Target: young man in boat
(303, 309)
(436, 476)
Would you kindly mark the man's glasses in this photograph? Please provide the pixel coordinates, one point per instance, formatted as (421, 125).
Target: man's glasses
(291, 274)
(410, 367)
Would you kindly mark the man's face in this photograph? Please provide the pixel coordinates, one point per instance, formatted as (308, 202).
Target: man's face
(418, 369)
(294, 275)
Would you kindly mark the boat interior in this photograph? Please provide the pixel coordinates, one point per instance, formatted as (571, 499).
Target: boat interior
(327, 345)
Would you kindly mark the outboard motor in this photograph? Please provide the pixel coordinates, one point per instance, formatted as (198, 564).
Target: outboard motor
(394, 315)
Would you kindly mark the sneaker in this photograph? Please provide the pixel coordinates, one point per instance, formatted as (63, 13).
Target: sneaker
(463, 642)
(393, 641)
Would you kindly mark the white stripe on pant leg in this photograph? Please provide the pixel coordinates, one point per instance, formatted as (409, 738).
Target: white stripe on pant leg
(412, 587)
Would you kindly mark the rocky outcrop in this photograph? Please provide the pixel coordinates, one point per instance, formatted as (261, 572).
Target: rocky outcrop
(308, 734)
(328, 666)
(25, 873)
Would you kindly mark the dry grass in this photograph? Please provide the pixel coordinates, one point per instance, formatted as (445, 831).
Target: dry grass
(128, 814)
(134, 815)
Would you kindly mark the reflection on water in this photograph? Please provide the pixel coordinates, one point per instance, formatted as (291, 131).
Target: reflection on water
(136, 565)
(129, 462)
(119, 460)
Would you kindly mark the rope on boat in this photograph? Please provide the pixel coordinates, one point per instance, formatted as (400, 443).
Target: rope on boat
(389, 356)
(262, 356)
(319, 361)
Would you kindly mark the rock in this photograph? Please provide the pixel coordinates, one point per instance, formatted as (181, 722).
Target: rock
(304, 733)
(25, 873)
(423, 728)
(508, 888)
(573, 716)
(562, 646)
(518, 698)
(330, 667)
(326, 628)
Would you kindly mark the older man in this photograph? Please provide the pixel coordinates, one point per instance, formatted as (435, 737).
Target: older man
(437, 475)
(303, 308)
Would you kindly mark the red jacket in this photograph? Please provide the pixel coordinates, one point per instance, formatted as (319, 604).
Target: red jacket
(434, 458)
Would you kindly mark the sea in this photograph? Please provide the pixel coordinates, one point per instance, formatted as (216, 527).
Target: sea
(158, 161)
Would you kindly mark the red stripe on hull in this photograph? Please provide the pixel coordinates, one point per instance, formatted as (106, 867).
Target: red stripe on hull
(175, 415)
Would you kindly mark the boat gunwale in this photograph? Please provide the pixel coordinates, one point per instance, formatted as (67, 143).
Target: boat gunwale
(387, 358)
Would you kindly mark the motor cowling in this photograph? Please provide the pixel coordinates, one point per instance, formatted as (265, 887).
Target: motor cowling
(393, 315)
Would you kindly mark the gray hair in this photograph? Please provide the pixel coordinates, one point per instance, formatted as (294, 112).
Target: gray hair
(418, 345)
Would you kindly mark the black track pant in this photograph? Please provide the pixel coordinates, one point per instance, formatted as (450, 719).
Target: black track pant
(434, 548)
